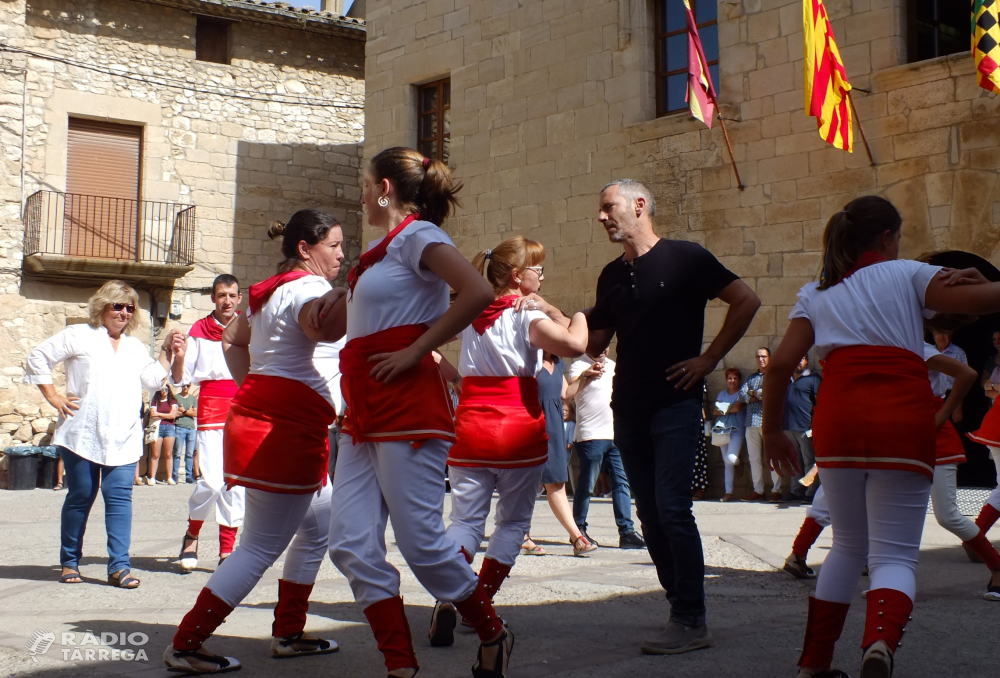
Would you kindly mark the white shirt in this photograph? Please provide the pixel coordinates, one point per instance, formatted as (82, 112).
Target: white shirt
(395, 291)
(107, 429)
(279, 347)
(503, 350)
(940, 382)
(204, 361)
(594, 419)
(930, 350)
(880, 305)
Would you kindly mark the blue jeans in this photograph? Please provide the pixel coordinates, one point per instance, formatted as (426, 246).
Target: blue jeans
(84, 479)
(595, 456)
(184, 441)
(658, 453)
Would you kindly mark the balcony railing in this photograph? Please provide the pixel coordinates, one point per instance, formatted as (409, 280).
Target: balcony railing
(93, 227)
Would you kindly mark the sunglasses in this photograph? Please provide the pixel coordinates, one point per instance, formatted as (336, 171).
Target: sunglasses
(537, 269)
(124, 307)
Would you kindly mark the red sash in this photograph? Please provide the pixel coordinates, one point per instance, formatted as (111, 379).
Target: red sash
(276, 437)
(875, 409)
(214, 399)
(415, 406)
(948, 444)
(377, 253)
(989, 431)
(207, 328)
(499, 423)
(493, 312)
(262, 291)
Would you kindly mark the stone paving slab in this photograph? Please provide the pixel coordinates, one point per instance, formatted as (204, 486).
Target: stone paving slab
(573, 617)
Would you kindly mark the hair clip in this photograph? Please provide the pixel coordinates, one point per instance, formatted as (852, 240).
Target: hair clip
(488, 254)
(426, 162)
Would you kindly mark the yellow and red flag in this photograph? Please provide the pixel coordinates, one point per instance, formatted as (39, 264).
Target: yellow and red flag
(826, 79)
(700, 92)
(986, 43)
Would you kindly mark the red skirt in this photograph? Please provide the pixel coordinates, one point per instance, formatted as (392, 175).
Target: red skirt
(499, 423)
(989, 431)
(875, 409)
(414, 406)
(276, 437)
(214, 399)
(948, 444)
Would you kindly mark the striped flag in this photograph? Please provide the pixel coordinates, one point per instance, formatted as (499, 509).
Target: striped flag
(986, 43)
(826, 79)
(700, 92)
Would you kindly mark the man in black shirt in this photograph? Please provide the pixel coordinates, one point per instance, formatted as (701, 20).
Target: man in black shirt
(654, 298)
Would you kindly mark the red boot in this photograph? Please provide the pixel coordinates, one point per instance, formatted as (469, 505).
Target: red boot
(290, 612)
(885, 623)
(208, 613)
(807, 536)
(982, 547)
(478, 611)
(492, 575)
(392, 633)
(227, 541)
(823, 628)
(987, 516)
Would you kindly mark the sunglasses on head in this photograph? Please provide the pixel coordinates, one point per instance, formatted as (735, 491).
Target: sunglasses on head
(123, 307)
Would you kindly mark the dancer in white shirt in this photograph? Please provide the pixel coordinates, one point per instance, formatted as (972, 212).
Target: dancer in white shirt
(99, 432)
(206, 367)
(276, 446)
(500, 426)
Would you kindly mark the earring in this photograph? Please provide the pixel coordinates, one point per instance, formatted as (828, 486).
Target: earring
(383, 201)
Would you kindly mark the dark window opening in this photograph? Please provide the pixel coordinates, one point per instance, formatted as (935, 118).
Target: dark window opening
(936, 28)
(433, 119)
(672, 50)
(211, 40)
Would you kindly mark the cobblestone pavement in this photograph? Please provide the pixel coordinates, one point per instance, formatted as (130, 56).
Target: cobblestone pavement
(573, 617)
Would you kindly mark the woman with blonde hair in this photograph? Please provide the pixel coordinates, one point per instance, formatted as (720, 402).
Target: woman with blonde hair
(500, 424)
(99, 432)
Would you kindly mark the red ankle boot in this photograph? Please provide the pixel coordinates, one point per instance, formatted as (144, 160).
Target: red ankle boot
(227, 541)
(492, 575)
(392, 633)
(888, 612)
(807, 536)
(478, 611)
(208, 613)
(290, 612)
(823, 628)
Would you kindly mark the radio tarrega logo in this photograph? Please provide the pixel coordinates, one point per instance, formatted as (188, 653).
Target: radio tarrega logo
(39, 643)
(89, 646)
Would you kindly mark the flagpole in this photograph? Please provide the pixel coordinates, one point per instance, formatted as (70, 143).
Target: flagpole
(861, 129)
(725, 133)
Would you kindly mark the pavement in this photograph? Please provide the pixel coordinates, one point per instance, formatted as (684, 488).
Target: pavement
(573, 617)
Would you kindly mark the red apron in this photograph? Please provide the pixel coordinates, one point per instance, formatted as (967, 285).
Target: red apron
(989, 431)
(276, 437)
(499, 423)
(948, 444)
(214, 399)
(875, 409)
(414, 406)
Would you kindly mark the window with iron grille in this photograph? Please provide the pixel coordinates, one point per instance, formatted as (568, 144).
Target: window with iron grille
(672, 50)
(433, 119)
(936, 28)
(211, 40)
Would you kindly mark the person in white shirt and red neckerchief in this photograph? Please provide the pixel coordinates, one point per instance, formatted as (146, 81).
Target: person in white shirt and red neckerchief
(206, 368)
(99, 433)
(399, 419)
(499, 424)
(873, 428)
(276, 446)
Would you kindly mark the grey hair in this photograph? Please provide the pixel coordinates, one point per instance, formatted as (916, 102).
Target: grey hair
(632, 189)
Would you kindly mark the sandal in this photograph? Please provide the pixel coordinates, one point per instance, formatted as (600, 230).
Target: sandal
(188, 560)
(583, 546)
(533, 550)
(57, 487)
(442, 631)
(299, 646)
(798, 568)
(123, 580)
(178, 660)
(499, 670)
(877, 660)
(65, 579)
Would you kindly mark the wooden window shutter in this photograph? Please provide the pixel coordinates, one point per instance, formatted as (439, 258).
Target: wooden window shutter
(102, 189)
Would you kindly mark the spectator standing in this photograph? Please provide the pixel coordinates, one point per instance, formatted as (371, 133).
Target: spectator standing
(798, 424)
(163, 409)
(752, 395)
(653, 297)
(184, 433)
(590, 386)
(733, 420)
(99, 433)
(940, 382)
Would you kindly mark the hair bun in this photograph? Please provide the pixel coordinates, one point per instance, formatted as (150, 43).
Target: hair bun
(277, 230)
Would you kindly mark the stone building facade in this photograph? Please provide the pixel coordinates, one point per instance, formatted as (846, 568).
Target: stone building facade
(272, 126)
(550, 100)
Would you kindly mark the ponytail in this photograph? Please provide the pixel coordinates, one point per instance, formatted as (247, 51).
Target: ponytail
(500, 263)
(309, 225)
(422, 185)
(852, 232)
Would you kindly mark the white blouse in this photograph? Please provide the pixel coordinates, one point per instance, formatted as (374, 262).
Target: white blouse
(107, 429)
(504, 350)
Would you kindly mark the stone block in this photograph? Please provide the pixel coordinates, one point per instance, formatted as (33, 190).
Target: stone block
(942, 115)
(776, 238)
(850, 181)
(792, 212)
(980, 134)
(898, 171)
(781, 291)
(802, 263)
(923, 143)
(764, 26)
(724, 241)
(920, 96)
(773, 80)
(24, 433)
(780, 169)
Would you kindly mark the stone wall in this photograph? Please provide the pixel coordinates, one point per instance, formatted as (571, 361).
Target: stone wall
(277, 130)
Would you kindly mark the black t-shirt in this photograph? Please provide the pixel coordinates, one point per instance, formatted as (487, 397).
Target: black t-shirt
(656, 305)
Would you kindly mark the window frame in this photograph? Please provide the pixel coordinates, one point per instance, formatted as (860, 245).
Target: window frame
(203, 21)
(911, 34)
(660, 44)
(441, 110)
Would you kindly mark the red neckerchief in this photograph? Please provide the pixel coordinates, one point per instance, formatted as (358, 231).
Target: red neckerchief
(866, 259)
(493, 312)
(262, 291)
(377, 253)
(208, 328)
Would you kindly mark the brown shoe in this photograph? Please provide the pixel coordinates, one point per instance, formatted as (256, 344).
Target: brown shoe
(699, 495)
(728, 496)
(776, 496)
(753, 496)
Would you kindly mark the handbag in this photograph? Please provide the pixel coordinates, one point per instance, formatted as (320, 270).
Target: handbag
(720, 439)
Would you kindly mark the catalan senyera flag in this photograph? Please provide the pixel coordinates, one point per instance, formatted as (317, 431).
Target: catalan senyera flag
(986, 43)
(826, 79)
(700, 92)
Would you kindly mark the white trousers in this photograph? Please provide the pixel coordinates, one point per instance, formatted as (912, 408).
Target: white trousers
(944, 494)
(376, 481)
(731, 457)
(878, 518)
(471, 494)
(818, 510)
(755, 450)
(274, 522)
(994, 498)
(211, 492)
